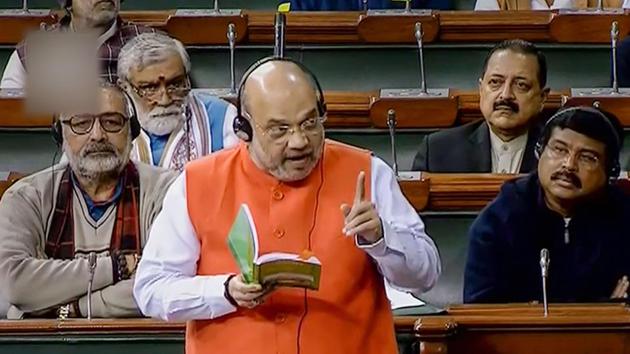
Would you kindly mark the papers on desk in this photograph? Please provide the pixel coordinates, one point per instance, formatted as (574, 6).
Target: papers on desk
(399, 299)
(4, 176)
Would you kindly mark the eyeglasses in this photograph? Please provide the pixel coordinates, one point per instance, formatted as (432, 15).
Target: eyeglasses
(281, 132)
(176, 89)
(82, 124)
(585, 159)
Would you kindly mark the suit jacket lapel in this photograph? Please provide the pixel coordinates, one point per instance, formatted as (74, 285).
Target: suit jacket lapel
(481, 160)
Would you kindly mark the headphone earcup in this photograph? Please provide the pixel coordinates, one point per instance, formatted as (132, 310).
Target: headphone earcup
(538, 149)
(615, 169)
(242, 128)
(321, 106)
(134, 126)
(55, 132)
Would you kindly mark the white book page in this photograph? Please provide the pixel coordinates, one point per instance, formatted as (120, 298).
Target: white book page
(275, 256)
(399, 299)
(253, 227)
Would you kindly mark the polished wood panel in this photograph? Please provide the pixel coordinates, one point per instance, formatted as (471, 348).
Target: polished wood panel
(75, 327)
(433, 191)
(462, 191)
(256, 27)
(13, 113)
(14, 28)
(199, 30)
(347, 109)
(306, 27)
(415, 112)
(353, 109)
(10, 179)
(619, 106)
(587, 28)
(493, 26)
(522, 328)
(397, 28)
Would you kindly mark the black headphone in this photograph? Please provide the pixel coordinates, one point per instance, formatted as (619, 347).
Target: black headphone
(134, 124)
(613, 163)
(242, 127)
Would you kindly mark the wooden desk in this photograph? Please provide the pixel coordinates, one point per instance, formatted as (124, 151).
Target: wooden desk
(346, 109)
(137, 336)
(6, 180)
(520, 329)
(256, 27)
(434, 191)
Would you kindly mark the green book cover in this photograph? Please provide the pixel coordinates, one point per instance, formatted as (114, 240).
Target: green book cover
(243, 242)
(272, 269)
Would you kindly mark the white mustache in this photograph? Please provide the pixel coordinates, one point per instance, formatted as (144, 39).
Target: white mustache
(166, 112)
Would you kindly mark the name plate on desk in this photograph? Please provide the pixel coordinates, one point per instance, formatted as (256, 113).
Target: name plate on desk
(600, 92)
(409, 175)
(414, 93)
(22, 13)
(590, 11)
(225, 93)
(396, 12)
(11, 93)
(207, 12)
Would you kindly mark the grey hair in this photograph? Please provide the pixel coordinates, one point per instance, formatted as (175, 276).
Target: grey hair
(148, 49)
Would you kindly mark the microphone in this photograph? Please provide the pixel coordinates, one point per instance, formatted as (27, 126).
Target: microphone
(365, 5)
(91, 269)
(544, 271)
(216, 6)
(408, 6)
(231, 36)
(279, 28)
(614, 36)
(391, 124)
(419, 34)
(24, 5)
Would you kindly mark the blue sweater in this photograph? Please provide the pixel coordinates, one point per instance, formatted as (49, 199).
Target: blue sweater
(357, 5)
(506, 239)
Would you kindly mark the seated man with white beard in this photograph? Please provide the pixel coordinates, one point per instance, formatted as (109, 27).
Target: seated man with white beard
(97, 202)
(178, 125)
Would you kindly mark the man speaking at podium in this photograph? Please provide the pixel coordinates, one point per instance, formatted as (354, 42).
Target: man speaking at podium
(337, 202)
(569, 207)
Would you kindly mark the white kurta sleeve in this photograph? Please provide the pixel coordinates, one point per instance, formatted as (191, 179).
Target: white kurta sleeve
(167, 285)
(406, 256)
(487, 5)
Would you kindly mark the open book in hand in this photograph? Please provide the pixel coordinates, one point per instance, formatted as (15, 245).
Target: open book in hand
(271, 269)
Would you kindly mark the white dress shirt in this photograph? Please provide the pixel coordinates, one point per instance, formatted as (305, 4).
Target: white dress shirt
(14, 76)
(507, 156)
(493, 5)
(167, 285)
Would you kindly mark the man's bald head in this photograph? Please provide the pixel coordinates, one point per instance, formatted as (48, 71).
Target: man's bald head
(276, 82)
(280, 100)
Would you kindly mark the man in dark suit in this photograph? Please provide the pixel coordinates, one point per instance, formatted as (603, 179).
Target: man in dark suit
(512, 93)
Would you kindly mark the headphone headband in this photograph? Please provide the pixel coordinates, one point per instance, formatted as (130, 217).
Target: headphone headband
(242, 126)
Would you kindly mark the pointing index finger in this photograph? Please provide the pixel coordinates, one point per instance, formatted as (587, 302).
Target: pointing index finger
(359, 194)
